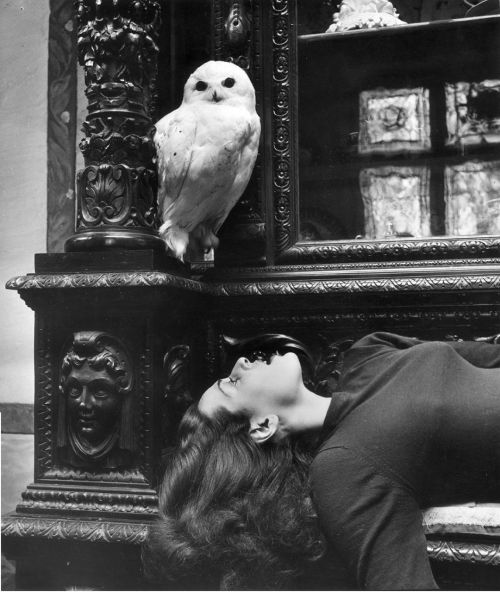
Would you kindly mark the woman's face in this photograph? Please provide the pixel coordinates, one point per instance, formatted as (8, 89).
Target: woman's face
(255, 388)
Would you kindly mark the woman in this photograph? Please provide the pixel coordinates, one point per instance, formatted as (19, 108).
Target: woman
(411, 424)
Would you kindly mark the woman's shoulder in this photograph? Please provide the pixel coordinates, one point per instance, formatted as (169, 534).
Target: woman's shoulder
(340, 470)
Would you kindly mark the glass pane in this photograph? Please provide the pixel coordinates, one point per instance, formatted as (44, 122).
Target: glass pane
(399, 127)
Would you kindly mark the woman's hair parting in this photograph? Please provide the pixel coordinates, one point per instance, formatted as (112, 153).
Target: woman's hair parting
(232, 514)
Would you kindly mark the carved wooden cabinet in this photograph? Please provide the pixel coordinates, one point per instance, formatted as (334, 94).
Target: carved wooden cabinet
(380, 145)
(358, 129)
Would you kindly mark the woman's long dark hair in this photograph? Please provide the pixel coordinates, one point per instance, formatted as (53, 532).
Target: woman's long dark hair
(233, 514)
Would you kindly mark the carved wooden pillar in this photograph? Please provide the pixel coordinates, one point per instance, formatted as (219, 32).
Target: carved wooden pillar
(116, 191)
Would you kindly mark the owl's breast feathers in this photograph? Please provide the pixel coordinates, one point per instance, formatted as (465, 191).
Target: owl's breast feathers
(205, 158)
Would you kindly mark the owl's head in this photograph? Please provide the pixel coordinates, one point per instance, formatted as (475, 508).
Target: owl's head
(220, 83)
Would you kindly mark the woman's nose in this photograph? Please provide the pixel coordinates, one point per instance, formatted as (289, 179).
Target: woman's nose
(243, 363)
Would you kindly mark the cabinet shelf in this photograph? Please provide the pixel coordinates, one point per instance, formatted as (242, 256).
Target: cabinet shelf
(472, 23)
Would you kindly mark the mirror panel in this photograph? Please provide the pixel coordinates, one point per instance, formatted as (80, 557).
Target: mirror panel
(398, 127)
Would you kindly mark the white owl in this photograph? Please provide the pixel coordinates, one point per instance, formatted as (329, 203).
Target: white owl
(206, 153)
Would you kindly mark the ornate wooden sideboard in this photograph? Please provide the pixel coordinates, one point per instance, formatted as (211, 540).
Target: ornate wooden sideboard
(118, 318)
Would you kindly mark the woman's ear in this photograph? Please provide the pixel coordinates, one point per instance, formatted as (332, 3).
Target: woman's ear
(263, 428)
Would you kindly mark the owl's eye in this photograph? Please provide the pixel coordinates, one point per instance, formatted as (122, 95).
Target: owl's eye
(200, 85)
(228, 82)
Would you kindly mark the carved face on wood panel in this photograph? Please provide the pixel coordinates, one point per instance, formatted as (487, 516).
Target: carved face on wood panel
(95, 415)
(93, 404)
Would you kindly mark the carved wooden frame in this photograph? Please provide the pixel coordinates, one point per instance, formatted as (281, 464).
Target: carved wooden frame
(283, 216)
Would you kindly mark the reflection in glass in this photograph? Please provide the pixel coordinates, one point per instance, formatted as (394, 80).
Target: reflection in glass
(472, 196)
(396, 202)
(473, 112)
(394, 120)
(390, 124)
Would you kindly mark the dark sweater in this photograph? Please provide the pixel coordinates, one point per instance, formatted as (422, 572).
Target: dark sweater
(413, 424)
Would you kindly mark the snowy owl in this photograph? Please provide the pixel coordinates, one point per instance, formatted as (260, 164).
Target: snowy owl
(206, 153)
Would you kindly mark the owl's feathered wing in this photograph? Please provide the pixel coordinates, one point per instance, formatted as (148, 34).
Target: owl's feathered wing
(205, 158)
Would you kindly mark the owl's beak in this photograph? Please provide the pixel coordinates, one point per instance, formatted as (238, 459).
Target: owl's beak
(215, 97)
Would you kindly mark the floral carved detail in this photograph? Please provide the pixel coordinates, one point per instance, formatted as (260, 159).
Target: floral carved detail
(124, 139)
(464, 552)
(117, 40)
(380, 285)
(104, 280)
(57, 500)
(126, 476)
(107, 196)
(74, 530)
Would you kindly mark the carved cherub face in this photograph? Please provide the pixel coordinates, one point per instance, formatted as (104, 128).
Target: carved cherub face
(96, 383)
(93, 402)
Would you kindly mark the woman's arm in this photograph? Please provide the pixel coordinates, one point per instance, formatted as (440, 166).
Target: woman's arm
(479, 353)
(372, 521)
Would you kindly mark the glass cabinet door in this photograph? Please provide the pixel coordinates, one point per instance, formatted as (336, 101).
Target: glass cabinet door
(398, 133)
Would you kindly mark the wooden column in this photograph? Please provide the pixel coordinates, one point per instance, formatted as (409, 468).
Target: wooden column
(116, 191)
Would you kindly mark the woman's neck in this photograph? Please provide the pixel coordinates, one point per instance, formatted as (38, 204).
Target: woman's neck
(307, 413)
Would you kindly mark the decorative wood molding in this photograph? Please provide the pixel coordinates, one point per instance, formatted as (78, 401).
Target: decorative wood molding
(103, 280)
(45, 381)
(358, 321)
(60, 474)
(392, 250)
(362, 286)
(380, 280)
(284, 160)
(477, 553)
(43, 500)
(71, 529)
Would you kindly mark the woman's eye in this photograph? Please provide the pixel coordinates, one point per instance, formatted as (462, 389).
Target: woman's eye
(74, 392)
(200, 85)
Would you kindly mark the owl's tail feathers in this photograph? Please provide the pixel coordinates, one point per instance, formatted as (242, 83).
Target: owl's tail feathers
(177, 239)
